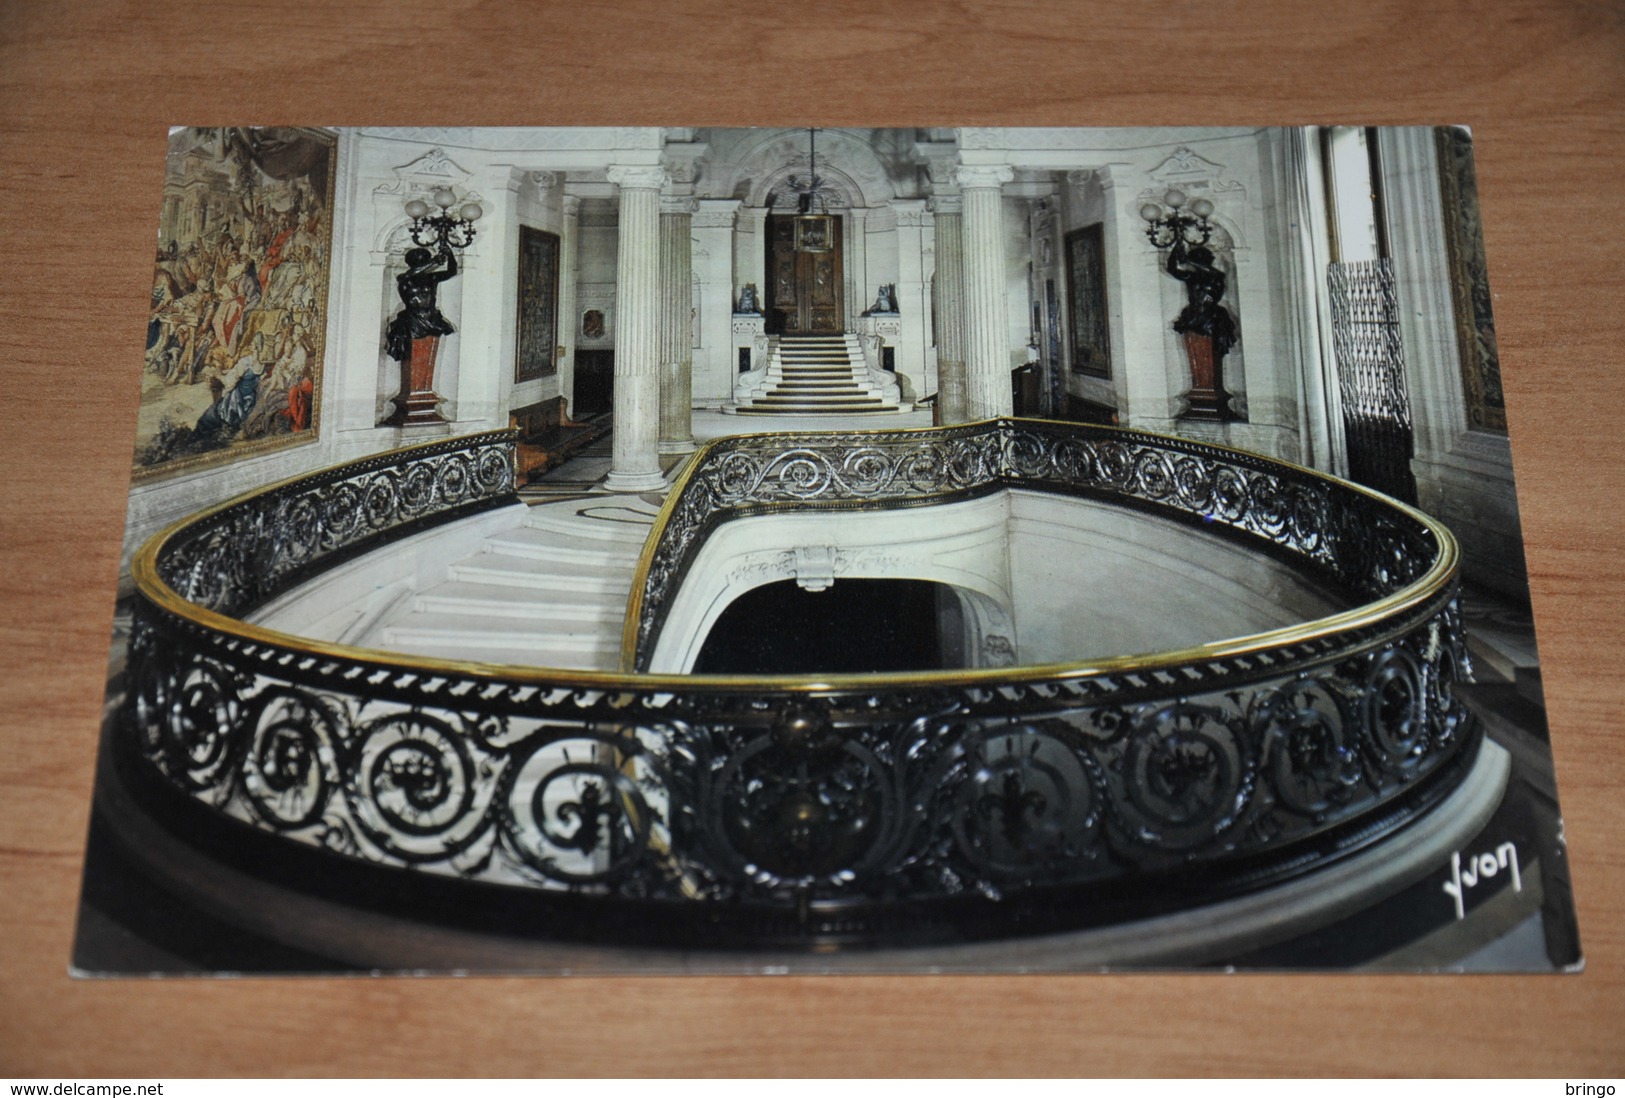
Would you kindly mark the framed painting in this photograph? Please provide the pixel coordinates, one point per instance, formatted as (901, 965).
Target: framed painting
(814, 233)
(239, 297)
(538, 321)
(1086, 301)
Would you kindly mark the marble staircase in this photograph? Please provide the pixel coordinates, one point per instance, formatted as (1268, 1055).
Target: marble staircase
(550, 592)
(817, 375)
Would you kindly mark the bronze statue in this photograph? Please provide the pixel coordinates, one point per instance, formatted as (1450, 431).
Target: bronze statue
(885, 301)
(1208, 328)
(418, 288)
(747, 300)
(1204, 287)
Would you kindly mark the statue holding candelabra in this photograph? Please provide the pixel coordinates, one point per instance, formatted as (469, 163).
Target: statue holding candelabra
(414, 335)
(1206, 325)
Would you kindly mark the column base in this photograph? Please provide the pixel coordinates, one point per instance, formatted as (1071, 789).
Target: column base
(678, 446)
(633, 483)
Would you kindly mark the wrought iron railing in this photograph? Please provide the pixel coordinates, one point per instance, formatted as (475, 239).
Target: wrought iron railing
(723, 810)
(1371, 375)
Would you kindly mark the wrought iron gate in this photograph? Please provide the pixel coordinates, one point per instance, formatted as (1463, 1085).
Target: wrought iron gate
(1371, 376)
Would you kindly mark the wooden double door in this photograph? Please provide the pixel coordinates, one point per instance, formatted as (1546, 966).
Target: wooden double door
(804, 294)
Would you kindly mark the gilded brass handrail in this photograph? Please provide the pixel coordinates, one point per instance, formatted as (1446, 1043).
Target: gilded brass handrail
(1437, 578)
(1429, 585)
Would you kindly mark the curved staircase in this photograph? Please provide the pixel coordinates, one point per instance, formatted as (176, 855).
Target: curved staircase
(816, 375)
(550, 592)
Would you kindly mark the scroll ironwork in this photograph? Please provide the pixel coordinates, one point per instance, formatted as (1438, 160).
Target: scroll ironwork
(790, 810)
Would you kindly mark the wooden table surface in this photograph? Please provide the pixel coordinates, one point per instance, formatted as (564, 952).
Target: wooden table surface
(86, 91)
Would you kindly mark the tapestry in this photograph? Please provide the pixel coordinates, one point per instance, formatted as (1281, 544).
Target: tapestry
(1469, 282)
(239, 297)
(1086, 297)
(538, 305)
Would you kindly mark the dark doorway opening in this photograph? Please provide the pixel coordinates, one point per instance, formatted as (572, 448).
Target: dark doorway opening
(594, 382)
(854, 626)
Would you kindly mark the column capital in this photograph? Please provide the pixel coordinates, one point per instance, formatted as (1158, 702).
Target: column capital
(572, 205)
(910, 212)
(940, 204)
(636, 176)
(677, 204)
(715, 213)
(984, 175)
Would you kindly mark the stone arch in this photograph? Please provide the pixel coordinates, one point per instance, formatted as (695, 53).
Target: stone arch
(762, 162)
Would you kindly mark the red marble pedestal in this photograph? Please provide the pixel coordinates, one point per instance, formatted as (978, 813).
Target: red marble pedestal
(1207, 399)
(417, 403)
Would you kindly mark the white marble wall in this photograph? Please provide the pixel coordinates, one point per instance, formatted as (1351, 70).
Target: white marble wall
(1463, 476)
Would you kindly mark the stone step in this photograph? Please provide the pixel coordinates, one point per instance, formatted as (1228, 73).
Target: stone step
(815, 410)
(619, 531)
(845, 395)
(565, 576)
(463, 598)
(832, 402)
(528, 541)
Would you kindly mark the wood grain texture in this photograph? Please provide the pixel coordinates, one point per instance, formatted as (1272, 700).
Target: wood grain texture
(86, 91)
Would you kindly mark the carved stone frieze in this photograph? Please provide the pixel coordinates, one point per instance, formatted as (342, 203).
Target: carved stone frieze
(709, 217)
(637, 176)
(434, 164)
(1184, 162)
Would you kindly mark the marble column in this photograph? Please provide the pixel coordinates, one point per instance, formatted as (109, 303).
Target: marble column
(914, 229)
(635, 463)
(857, 266)
(987, 325)
(950, 308)
(751, 256)
(676, 325)
(569, 322)
(714, 369)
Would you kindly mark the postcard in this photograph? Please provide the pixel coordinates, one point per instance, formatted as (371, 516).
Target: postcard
(681, 549)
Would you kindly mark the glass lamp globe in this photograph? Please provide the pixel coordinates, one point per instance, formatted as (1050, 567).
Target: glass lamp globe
(1202, 208)
(1175, 199)
(444, 198)
(470, 212)
(417, 208)
(1151, 211)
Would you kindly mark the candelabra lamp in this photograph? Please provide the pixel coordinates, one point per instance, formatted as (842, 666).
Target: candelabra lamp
(415, 333)
(814, 231)
(1209, 331)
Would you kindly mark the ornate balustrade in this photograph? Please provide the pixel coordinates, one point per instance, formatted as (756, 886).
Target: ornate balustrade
(732, 810)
